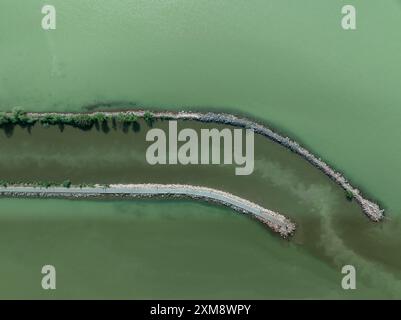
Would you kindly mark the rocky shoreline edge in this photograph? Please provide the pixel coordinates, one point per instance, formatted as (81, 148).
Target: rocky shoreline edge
(276, 221)
(371, 209)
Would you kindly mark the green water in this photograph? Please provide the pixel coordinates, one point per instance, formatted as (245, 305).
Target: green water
(282, 181)
(285, 62)
(120, 249)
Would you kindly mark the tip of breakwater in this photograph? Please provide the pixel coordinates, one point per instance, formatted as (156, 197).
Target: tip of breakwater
(286, 229)
(372, 210)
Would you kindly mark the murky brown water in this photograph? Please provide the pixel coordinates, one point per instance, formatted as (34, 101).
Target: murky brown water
(330, 227)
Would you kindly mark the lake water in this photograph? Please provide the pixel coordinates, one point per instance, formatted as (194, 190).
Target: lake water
(287, 63)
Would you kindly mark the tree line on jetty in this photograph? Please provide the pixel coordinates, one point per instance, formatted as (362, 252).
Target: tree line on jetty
(48, 184)
(44, 184)
(84, 121)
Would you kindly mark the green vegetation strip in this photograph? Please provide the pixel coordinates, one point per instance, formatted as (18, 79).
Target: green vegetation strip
(80, 120)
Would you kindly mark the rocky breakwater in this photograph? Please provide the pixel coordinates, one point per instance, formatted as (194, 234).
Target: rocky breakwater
(371, 209)
(274, 220)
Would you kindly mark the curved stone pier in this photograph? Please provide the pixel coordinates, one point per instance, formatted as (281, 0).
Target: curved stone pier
(274, 220)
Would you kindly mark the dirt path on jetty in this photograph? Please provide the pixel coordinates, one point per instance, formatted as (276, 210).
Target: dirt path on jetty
(274, 220)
